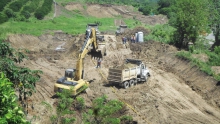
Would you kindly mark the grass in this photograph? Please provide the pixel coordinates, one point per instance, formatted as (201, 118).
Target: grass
(73, 25)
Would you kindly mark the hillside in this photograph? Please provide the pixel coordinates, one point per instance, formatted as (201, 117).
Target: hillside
(177, 92)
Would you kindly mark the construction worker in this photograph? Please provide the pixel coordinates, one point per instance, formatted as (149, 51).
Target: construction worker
(125, 39)
(99, 63)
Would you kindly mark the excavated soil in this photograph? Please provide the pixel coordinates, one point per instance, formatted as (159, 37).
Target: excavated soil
(176, 92)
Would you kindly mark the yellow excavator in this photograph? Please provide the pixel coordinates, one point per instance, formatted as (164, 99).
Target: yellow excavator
(73, 78)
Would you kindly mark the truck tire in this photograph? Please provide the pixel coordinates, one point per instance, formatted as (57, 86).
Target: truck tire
(131, 82)
(135, 82)
(126, 84)
(146, 78)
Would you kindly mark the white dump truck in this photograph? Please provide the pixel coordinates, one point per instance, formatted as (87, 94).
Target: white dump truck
(129, 74)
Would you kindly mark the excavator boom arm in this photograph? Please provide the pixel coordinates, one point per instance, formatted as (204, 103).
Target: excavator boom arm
(90, 41)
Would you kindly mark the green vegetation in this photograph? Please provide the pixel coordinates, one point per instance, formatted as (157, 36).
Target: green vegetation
(161, 33)
(106, 112)
(191, 18)
(73, 25)
(30, 8)
(149, 8)
(214, 17)
(103, 111)
(65, 109)
(23, 79)
(10, 112)
(3, 4)
(42, 11)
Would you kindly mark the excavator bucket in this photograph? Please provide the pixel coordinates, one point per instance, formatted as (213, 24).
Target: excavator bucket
(100, 52)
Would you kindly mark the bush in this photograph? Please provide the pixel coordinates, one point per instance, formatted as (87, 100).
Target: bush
(3, 18)
(44, 9)
(39, 14)
(10, 112)
(106, 112)
(161, 33)
(16, 6)
(32, 7)
(26, 14)
(3, 3)
(64, 108)
(10, 13)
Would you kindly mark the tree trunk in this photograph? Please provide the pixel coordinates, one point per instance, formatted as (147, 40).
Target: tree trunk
(217, 38)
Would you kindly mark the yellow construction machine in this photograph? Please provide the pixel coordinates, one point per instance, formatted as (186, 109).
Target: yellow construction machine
(73, 78)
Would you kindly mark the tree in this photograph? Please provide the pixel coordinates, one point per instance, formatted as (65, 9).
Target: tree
(215, 21)
(22, 78)
(191, 17)
(149, 8)
(166, 7)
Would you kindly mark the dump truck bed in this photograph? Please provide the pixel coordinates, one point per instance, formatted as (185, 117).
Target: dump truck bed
(123, 73)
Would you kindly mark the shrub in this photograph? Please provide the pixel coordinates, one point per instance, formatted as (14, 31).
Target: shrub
(3, 18)
(105, 112)
(160, 33)
(3, 3)
(44, 9)
(10, 13)
(10, 112)
(16, 6)
(26, 14)
(64, 108)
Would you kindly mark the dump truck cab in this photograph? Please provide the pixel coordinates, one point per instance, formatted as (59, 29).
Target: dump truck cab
(121, 29)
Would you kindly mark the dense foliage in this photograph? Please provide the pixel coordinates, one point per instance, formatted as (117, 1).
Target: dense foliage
(191, 17)
(30, 8)
(44, 9)
(214, 18)
(22, 78)
(161, 33)
(106, 112)
(65, 109)
(17, 5)
(3, 3)
(10, 112)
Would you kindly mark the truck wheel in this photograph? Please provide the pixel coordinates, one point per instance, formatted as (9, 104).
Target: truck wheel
(126, 84)
(131, 82)
(146, 78)
(135, 82)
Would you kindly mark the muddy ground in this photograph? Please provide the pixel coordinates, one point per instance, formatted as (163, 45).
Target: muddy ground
(177, 92)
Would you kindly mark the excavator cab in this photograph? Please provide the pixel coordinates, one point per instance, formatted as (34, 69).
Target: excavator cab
(69, 73)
